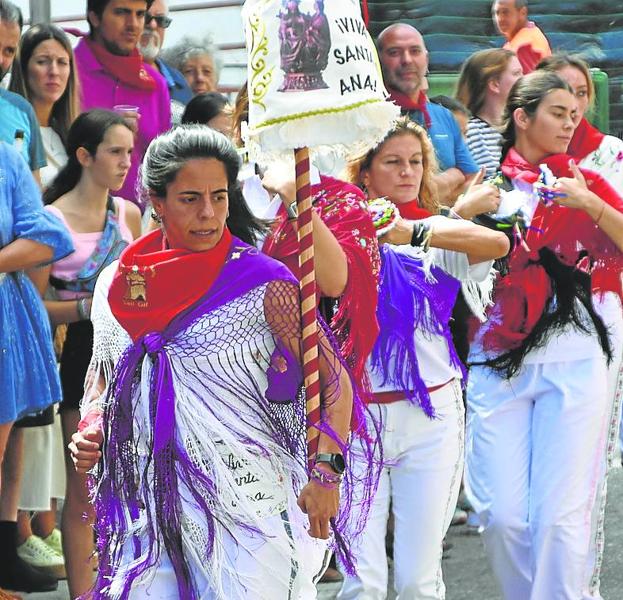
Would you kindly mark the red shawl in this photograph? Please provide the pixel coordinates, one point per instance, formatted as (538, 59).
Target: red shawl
(523, 293)
(339, 205)
(154, 283)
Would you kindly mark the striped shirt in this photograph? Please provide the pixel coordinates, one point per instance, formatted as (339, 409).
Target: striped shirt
(485, 145)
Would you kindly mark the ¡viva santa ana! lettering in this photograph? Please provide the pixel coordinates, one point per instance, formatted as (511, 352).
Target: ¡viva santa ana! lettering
(355, 53)
(357, 83)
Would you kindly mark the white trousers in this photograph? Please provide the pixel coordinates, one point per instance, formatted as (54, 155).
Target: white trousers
(422, 480)
(609, 308)
(534, 462)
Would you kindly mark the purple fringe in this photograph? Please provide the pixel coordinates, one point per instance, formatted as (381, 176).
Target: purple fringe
(120, 497)
(409, 302)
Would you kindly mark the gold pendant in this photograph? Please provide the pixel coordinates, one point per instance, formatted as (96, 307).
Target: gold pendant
(136, 292)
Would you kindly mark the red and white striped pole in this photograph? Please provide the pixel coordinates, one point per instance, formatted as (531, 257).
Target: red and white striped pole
(309, 301)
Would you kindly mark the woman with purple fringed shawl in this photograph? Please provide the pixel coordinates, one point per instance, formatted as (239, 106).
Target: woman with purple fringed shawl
(414, 368)
(194, 407)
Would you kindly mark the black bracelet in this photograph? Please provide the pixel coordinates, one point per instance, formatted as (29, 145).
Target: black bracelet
(420, 231)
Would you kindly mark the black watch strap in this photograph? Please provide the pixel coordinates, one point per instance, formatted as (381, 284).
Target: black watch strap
(335, 461)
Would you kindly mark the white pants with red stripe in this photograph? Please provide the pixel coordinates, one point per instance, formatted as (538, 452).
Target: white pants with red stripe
(422, 481)
(535, 451)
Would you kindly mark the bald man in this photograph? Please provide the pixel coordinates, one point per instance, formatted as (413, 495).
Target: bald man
(404, 59)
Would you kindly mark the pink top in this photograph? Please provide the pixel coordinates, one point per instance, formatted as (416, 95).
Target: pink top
(85, 244)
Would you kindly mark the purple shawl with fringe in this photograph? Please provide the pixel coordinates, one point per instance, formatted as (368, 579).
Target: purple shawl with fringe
(409, 300)
(118, 493)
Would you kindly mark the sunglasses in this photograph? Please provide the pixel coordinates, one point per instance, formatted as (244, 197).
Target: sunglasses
(161, 20)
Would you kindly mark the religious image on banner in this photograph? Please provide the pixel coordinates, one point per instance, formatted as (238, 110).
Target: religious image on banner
(314, 80)
(305, 46)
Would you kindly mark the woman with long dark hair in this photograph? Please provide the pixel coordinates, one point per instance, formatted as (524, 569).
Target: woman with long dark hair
(45, 74)
(538, 403)
(99, 145)
(603, 154)
(204, 490)
(211, 109)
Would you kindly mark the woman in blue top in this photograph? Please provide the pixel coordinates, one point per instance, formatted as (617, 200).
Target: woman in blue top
(28, 237)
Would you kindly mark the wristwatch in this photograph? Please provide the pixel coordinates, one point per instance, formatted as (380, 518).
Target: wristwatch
(335, 461)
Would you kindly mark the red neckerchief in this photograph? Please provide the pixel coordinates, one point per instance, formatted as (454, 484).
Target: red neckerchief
(586, 139)
(413, 211)
(406, 103)
(516, 166)
(524, 292)
(340, 206)
(127, 69)
(153, 283)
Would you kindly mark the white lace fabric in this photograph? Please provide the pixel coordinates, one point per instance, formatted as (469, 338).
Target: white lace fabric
(231, 432)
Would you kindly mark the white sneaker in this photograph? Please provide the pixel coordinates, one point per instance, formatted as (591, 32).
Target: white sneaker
(54, 541)
(38, 554)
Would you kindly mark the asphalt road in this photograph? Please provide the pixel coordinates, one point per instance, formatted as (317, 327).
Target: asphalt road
(468, 576)
(466, 572)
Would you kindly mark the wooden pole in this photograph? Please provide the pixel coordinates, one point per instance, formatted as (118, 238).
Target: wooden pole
(309, 301)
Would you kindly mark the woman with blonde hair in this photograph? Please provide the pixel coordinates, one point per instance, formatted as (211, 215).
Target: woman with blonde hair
(414, 368)
(484, 82)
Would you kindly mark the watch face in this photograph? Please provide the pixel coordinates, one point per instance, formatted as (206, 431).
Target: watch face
(337, 462)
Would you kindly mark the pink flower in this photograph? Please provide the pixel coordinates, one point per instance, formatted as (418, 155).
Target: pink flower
(620, 156)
